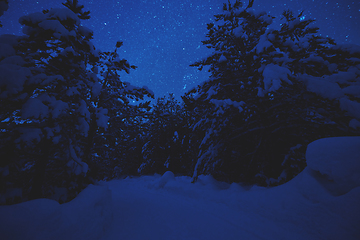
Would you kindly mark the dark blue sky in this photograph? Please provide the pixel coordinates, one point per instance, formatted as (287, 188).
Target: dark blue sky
(163, 37)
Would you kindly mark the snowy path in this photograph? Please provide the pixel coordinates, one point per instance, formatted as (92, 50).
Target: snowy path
(321, 203)
(181, 210)
(163, 207)
(153, 214)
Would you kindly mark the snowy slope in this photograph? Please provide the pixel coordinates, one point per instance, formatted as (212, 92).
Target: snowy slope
(322, 202)
(88, 216)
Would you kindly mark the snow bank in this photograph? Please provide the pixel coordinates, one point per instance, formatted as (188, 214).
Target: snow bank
(308, 207)
(93, 213)
(322, 202)
(165, 178)
(330, 187)
(88, 216)
(29, 220)
(337, 160)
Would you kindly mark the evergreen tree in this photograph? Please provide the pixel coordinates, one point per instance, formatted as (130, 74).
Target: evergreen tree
(56, 102)
(262, 101)
(74, 6)
(111, 146)
(167, 140)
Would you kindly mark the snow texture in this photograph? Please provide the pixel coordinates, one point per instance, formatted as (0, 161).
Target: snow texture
(15, 60)
(263, 44)
(96, 89)
(161, 182)
(55, 26)
(238, 31)
(342, 86)
(338, 162)
(12, 79)
(101, 118)
(322, 202)
(50, 21)
(273, 77)
(351, 107)
(78, 167)
(34, 108)
(86, 217)
(324, 88)
(64, 14)
(59, 107)
(352, 90)
(220, 104)
(354, 123)
(6, 50)
(85, 31)
(222, 59)
(148, 90)
(351, 48)
(72, 91)
(28, 135)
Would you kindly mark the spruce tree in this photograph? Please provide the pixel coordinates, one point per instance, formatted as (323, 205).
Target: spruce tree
(109, 148)
(56, 102)
(260, 105)
(166, 141)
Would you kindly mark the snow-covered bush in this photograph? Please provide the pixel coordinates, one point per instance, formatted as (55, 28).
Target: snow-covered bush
(334, 162)
(270, 90)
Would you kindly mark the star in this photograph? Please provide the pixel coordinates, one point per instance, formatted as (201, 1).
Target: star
(163, 38)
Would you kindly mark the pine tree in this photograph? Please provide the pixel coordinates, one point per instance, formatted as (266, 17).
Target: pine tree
(74, 6)
(57, 103)
(58, 50)
(117, 98)
(259, 103)
(166, 144)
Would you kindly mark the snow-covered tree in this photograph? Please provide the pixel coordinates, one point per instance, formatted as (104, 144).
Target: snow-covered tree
(55, 98)
(109, 148)
(166, 146)
(269, 94)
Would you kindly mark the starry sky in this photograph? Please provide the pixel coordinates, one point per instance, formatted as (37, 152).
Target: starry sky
(163, 37)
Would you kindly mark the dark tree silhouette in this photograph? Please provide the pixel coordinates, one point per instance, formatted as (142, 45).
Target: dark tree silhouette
(262, 104)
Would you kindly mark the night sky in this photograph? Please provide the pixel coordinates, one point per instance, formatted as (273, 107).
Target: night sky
(163, 37)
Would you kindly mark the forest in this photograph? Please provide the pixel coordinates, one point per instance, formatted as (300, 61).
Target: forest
(67, 119)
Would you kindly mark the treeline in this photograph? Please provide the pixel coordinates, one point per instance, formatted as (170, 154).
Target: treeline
(67, 119)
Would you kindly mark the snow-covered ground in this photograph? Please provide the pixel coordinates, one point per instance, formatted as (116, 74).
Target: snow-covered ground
(322, 202)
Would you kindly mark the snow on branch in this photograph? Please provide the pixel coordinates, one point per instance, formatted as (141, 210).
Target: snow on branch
(273, 77)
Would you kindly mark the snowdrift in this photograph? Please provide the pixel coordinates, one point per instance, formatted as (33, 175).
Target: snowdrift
(88, 216)
(322, 202)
